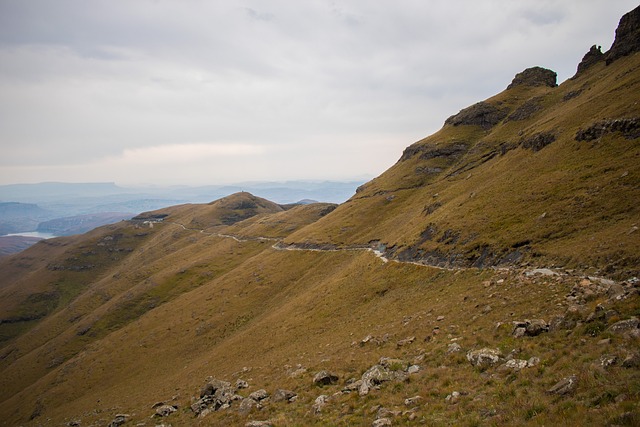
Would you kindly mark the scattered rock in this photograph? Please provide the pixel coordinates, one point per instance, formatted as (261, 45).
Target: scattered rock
(405, 341)
(413, 369)
(516, 364)
(240, 384)
(119, 420)
(381, 422)
(565, 386)
(246, 406)
(484, 357)
(454, 348)
(281, 394)
(453, 397)
(530, 328)
(165, 410)
(259, 424)
(533, 361)
(631, 361)
(325, 378)
(259, 395)
(624, 326)
(372, 377)
(319, 403)
(412, 401)
(608, 360)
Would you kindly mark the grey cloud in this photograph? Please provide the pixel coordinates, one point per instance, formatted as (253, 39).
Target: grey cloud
(86, 81)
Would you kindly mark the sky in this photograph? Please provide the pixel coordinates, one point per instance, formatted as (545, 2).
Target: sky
(195, 92)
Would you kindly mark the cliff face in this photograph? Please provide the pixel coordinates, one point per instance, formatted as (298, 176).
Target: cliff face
(627, 39)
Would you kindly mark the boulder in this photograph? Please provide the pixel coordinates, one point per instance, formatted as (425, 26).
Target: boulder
(281, 394)
(374, 376)
(119, 420)
(246, 406)
(484, 357)
(319, 403)
(259, 395)
(165, 410)
(624, 326)
(381, 422)
(412, 401)
(565, 386)
(454, 348)
(259, 424)
(325, 378)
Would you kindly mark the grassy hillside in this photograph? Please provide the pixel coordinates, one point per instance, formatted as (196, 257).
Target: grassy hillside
(487, 278)
(474, 196)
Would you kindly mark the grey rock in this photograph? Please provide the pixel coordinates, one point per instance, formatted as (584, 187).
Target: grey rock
(484, 357)
(454, 348)
(240, 384)
(412, 401)
(246, 406)
(374, 376)
(624, 326)
(453, 397)
(533, 361)
(413, 369)
(565, 386)
(381, 422)
(119, 420)
(259, 424)
(319, 403)
(516, 364)
(631, 361)
(281, 394)
(325, 378)
(165, 410)
(259, 395)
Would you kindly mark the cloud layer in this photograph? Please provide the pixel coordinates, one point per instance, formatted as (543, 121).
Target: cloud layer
(206, 92)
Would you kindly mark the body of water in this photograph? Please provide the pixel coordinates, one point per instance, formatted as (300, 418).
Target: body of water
(33, 234)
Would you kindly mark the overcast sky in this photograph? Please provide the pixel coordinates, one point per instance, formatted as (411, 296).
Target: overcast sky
(212, 91)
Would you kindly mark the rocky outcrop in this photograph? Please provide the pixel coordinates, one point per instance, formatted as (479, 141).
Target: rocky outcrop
(629, 128)
(627, 39)
(590, 58)
(538, 141)
(535, 76)
(481, 114)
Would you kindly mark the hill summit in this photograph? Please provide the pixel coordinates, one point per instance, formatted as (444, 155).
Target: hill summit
(488, 277)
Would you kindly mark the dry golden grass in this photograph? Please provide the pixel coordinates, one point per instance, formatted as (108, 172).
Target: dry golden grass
(132, 314)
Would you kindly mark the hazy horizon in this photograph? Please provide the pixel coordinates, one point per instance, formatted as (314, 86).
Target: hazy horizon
(213, 93)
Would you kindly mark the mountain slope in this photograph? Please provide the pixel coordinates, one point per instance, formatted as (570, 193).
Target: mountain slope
(528, 185)
(143, 321)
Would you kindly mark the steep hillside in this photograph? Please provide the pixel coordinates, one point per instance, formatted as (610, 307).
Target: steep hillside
(487, 278)
(537, 174)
